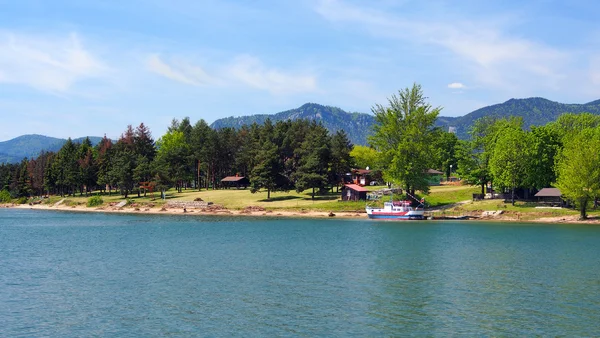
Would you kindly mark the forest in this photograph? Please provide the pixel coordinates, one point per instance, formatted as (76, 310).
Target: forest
(302, 155)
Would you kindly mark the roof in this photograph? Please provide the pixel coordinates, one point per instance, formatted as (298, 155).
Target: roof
(356, 187)
(434, 172)
(232, 179)
(361, 171)
(549, 192)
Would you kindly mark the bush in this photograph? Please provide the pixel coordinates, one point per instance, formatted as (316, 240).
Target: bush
(4, 196)
(94, 201)
(22, 200)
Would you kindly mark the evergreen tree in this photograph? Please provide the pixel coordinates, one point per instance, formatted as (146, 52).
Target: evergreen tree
(341, 161)
(312, 172)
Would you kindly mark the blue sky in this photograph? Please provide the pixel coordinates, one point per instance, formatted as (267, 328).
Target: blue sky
(74, 68)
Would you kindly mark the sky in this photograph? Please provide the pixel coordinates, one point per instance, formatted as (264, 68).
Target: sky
(73, 68)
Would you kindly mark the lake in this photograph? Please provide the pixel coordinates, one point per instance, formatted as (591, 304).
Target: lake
(88, 274)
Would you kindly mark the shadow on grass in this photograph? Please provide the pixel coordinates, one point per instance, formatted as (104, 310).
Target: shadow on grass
(280, 198)
(322, 198)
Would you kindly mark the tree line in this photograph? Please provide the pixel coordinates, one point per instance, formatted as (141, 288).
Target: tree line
(299, 155)
(283, 156)
(500, 152)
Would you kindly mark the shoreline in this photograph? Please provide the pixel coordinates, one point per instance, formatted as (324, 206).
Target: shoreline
(192, 212)
(570, 219)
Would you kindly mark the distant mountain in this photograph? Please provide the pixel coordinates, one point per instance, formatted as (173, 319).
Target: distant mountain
(536, 111)
(356, 125)
(31, 146)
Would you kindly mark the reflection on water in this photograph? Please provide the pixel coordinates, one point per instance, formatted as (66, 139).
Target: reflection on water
(67, 274)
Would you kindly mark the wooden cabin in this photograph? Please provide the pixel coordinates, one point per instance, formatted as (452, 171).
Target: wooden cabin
(354, 192)
(239, 182)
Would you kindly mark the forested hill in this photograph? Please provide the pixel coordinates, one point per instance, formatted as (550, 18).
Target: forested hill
(356, 125)
(31, 146)
(536, 111)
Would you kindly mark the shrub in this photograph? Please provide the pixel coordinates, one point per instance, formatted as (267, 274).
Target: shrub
(4, 196)
(94, 201)
(22, 200)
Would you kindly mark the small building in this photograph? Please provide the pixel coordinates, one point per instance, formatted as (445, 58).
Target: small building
(354, 192)
(434, 177)
(361, 177)
(239, 182)
(551, 196)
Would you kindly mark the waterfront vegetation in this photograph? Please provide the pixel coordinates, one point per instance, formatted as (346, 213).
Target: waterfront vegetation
(300, 165)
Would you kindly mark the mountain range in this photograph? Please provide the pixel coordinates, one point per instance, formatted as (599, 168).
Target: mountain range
(356, 125)
(30, 146)
(534, 111)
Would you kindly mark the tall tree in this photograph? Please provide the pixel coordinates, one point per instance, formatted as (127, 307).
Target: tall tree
(172, 156)
(509, 159)
(341, 161)
(445, 152)
(268, 171)
(312, 172)
(404, 136)
(104, 163)
(578, 167)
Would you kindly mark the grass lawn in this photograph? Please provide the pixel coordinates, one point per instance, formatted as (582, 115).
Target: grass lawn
(291, 200)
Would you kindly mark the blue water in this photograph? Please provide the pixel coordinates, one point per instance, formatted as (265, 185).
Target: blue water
(71, 274)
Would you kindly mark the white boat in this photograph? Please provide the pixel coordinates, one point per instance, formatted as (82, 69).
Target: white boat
(401, 210)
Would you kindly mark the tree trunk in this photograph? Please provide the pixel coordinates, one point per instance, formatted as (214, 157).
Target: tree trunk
(268, 194)
(313, 193)
(483, 189)
(583, 214)
(513, 195)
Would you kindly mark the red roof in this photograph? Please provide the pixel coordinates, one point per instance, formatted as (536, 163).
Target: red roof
(356, 187)
(232, 178)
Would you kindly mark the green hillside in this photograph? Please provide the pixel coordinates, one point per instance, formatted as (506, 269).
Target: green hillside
(536, 111)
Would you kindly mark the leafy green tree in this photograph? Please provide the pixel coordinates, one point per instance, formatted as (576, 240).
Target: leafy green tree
(509, 159)
(363, 156)
(404, 136)
(578, 168)
(571, 124)
(543, 146)
(173, 153)
(445, 151)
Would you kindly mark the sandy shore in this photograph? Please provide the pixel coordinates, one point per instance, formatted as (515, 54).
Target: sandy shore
(191, 212)
(278, 213)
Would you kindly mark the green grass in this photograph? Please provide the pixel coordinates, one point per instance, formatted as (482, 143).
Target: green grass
(443, 195)
(239, 199)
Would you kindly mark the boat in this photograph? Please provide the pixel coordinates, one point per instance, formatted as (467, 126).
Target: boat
(400, 210)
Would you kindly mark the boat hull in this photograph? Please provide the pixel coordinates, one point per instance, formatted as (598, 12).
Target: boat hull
(396, 216)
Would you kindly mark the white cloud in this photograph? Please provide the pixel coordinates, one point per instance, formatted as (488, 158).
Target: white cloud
(250, 71)
(47, 63)
(456, 85)
(492, 57)
(179, 71)
(244, 70)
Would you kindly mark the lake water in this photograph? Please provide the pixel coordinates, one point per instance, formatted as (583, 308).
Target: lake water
(71, 274)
